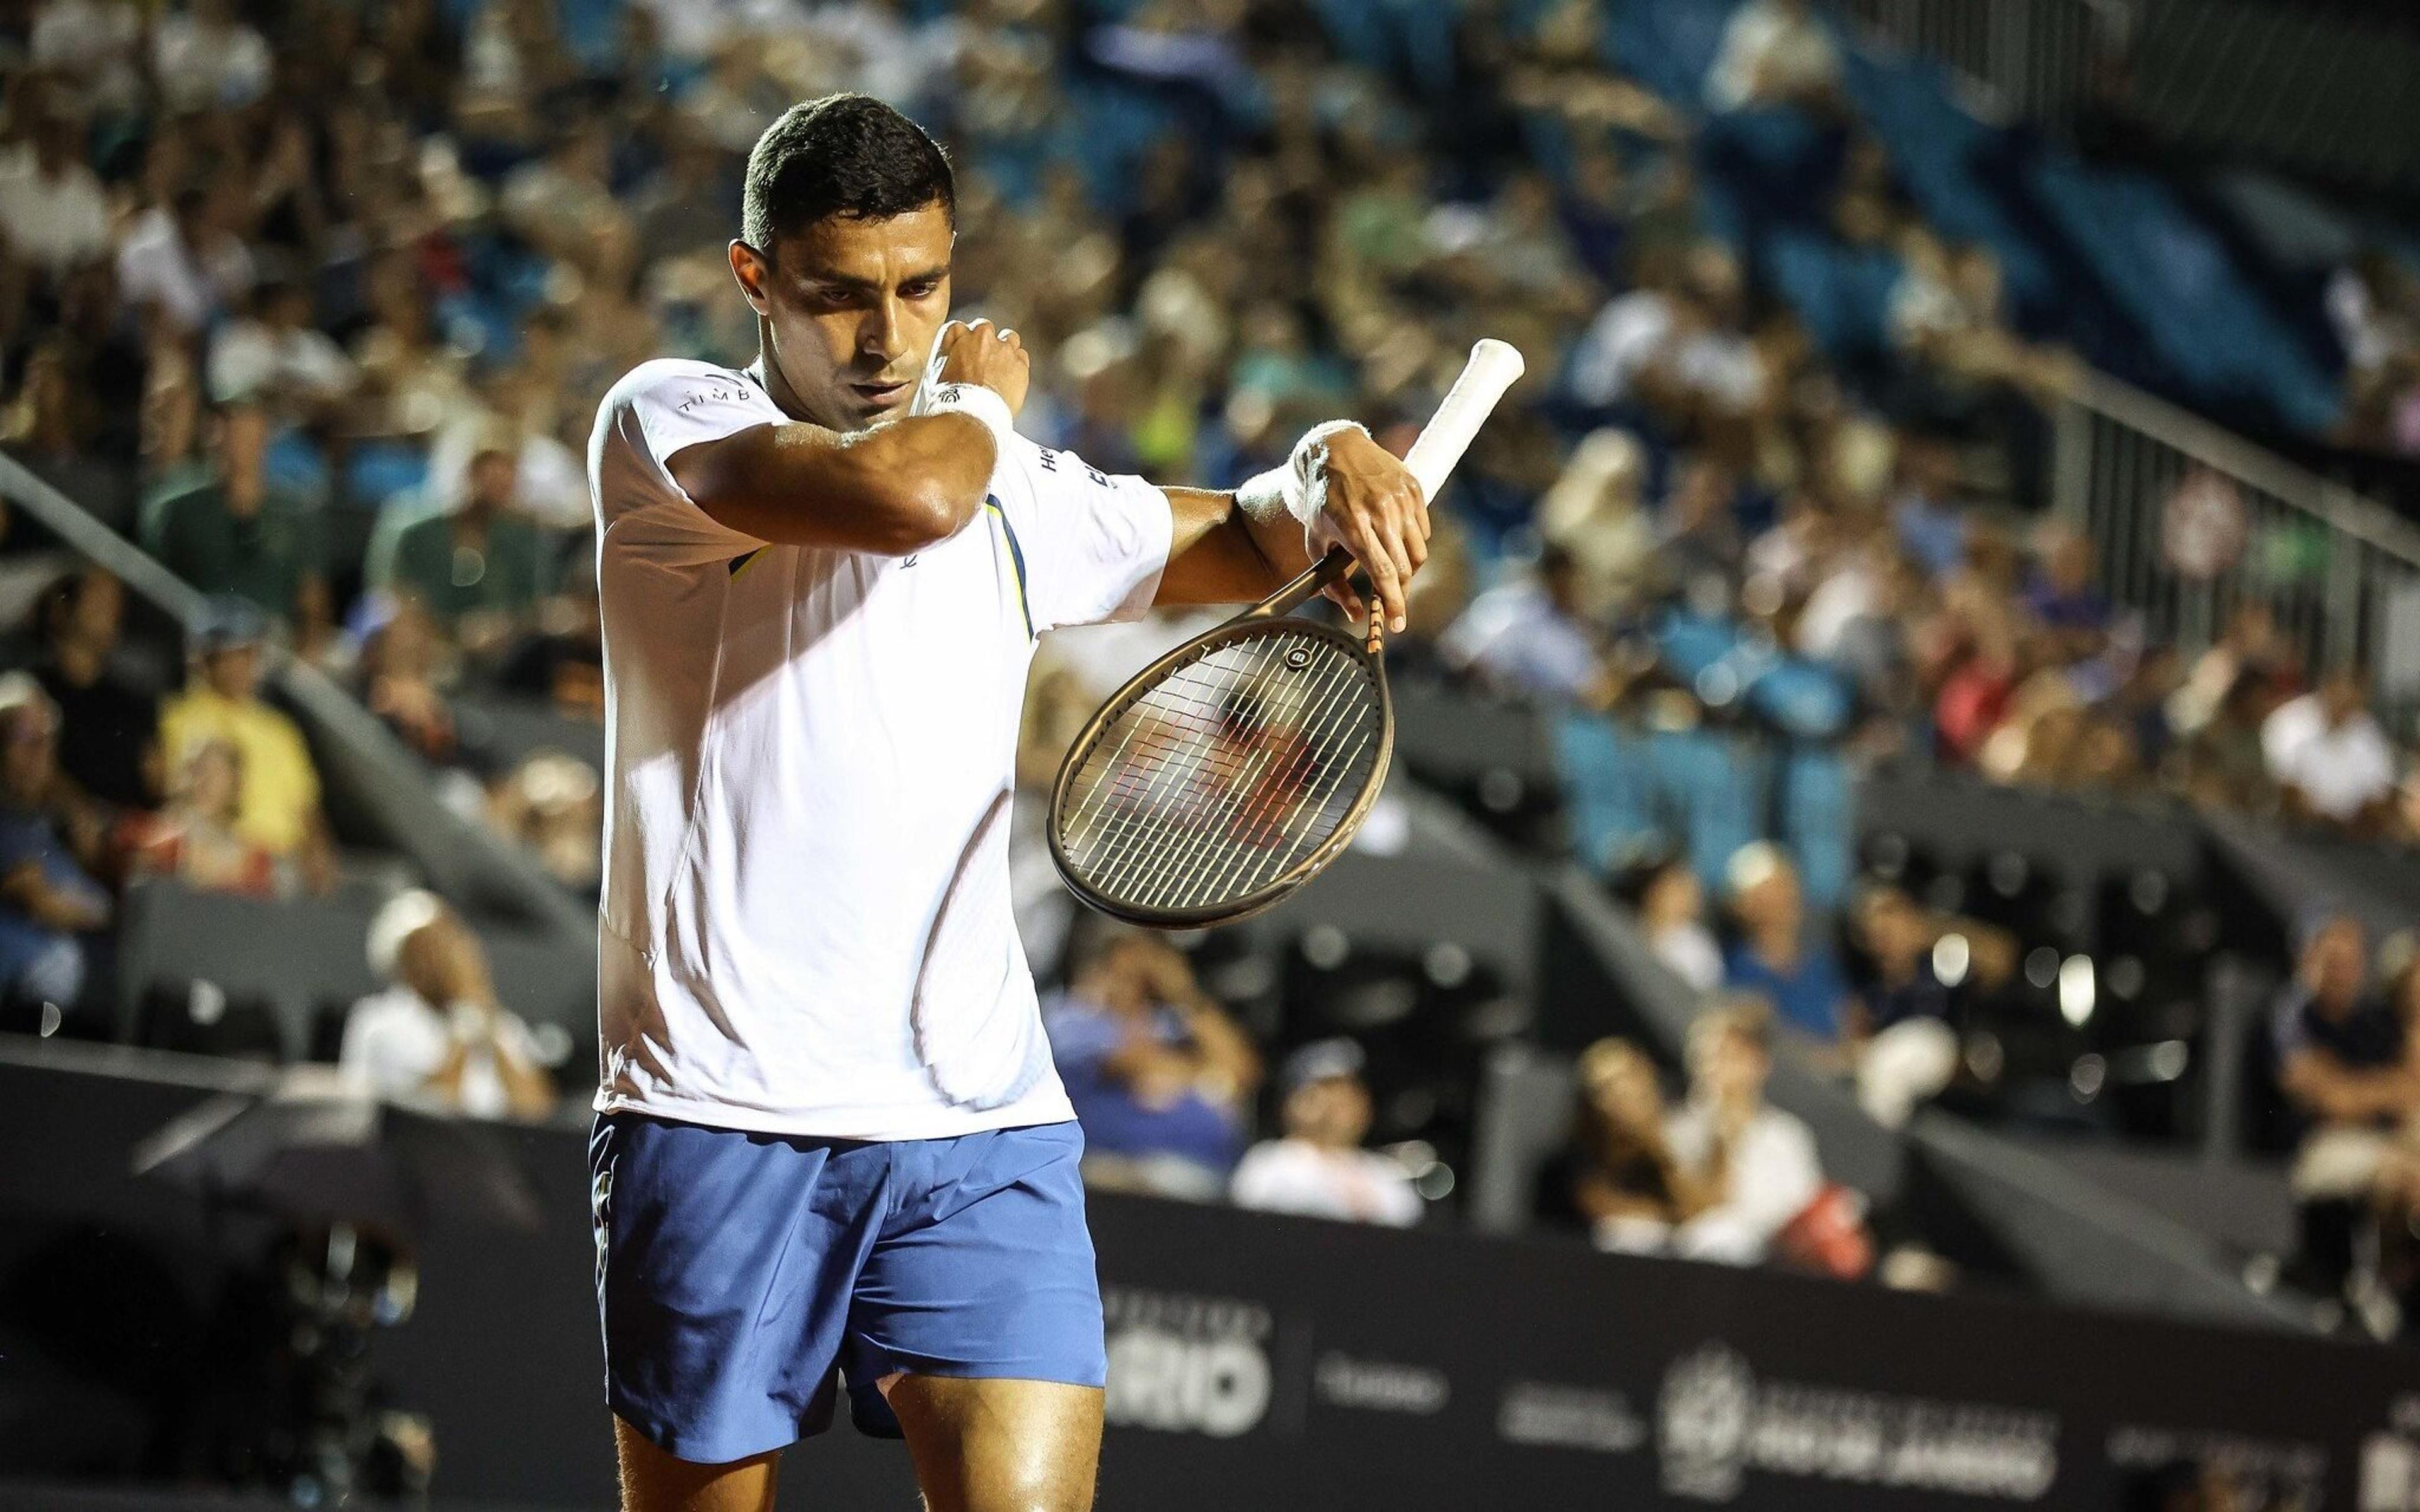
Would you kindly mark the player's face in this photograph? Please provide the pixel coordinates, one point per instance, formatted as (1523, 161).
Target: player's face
(849, 309)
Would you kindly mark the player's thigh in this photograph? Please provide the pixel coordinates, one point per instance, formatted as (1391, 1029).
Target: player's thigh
(1001, 1445)
(656, 1481)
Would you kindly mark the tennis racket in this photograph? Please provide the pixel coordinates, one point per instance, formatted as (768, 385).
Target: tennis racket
(1233, 769)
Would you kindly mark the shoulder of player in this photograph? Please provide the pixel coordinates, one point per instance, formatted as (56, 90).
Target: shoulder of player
(675, 381)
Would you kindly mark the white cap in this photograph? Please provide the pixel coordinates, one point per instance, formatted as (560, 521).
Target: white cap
(398, 919)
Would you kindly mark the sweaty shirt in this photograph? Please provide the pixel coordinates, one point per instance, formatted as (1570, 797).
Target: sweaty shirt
(805, 924)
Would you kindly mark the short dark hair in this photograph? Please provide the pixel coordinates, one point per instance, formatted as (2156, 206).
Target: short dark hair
(848, 155)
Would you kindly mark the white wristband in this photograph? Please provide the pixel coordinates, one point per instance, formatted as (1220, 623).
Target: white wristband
(1299, 484)
(970, 399)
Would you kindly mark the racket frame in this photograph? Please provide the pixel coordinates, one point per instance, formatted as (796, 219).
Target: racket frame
(1256, 620)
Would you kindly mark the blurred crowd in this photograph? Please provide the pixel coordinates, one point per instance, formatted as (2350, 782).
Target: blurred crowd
(316, 299)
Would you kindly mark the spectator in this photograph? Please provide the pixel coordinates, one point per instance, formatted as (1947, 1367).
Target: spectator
(235, 531)
(2063, 596)
(280, 808)
(1527, 635)
(1156, 1071)
(47, 899)
(1671, 905)
(1757, 1162)
(2327, 753)
(398, 677)
(1774, 52)
(562, 657)
(2348, 1071)
(437, 1031)
(53, 213)
(184, 260)
(109, 722)
(1592, 515)
(1777, 957)
(550, 803)
(1624, 1181)
(206, 58)
(1905, 1045)
(194, 839)
(477, 568)
(276, 358)
(1319, 1169)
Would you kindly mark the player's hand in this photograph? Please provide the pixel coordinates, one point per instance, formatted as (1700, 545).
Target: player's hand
(1375, 510)
(993, 356)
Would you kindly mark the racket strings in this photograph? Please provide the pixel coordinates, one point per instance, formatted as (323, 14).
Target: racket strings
(1221, 779)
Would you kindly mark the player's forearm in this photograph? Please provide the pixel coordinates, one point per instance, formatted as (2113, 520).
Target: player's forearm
(1218, 554)
(893, 489)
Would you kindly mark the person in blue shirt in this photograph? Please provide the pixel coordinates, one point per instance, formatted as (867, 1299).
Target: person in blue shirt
(1776, 957)
(1159, 1074)
(47, 899)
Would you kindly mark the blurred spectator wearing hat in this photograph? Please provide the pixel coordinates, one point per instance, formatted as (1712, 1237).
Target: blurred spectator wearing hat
(1779, 958)
(48, 845)
(1759, 1162)
(235, 531)
(1159, 1074)
(479, 566)
(438, 1031)
(279, 809)
(1319, 1169)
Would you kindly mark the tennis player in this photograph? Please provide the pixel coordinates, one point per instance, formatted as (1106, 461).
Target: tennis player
(832, 1157)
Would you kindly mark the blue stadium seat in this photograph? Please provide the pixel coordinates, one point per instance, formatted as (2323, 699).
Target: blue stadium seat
(1842, 293)
(1712, 787)
(1817, 822)
(1608, 798)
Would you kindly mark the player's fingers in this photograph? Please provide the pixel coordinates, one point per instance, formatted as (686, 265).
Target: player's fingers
(1378, 560)
(1414, 531)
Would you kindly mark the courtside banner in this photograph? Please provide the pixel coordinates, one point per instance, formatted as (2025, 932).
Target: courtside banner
(1255, 1361)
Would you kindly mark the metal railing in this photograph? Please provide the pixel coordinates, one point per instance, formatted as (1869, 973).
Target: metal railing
(2030, 59)
(2340, 572)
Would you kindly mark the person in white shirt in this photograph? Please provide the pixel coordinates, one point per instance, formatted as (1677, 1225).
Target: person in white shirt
(1319, 1169)
(180, 259)
(1761, 1160)
(277, 356)
(2327, 751)
(52, 211)
(438, 1032)
(831, 1146)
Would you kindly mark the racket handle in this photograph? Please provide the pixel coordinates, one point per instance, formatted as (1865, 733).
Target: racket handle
(1493, 368)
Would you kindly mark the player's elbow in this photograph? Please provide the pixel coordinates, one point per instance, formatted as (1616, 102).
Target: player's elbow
(909, 516)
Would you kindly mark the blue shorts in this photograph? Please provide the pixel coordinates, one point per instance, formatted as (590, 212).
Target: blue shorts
(742, 1276)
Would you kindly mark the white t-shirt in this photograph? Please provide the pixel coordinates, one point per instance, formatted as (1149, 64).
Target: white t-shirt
(54, 223)
(2341, 771)
(1355, 1185)
(806, 924)
(1772, 1173)
(394, 1041)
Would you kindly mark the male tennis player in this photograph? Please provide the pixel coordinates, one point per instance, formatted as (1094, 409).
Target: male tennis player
(830, 1149)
